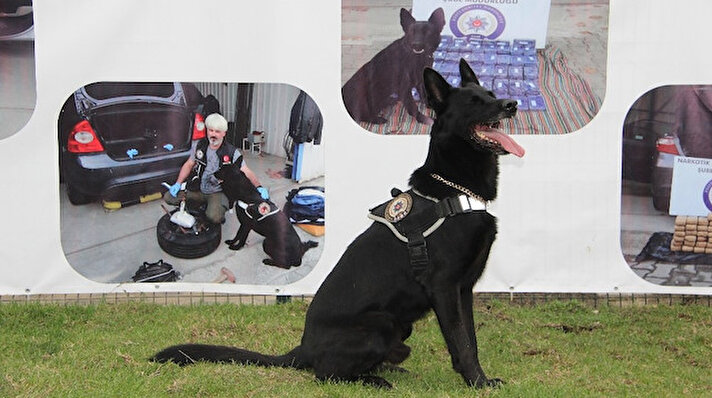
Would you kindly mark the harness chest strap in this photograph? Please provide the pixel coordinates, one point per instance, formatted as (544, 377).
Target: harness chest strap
(412, 219)
(258, 211)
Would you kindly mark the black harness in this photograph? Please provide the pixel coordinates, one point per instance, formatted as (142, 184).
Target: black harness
(412, 217)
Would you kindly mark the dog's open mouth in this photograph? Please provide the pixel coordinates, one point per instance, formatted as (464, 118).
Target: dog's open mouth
(496, 140)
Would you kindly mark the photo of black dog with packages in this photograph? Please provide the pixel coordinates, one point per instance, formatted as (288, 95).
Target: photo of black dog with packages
(517, 49)
(154, 175)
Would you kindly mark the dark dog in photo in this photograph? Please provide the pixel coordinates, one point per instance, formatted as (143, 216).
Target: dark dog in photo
(392, 73)
(281, 243)
(426, 249)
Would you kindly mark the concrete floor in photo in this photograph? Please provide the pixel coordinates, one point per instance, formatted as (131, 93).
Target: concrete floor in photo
(110, 246)
(17, 85)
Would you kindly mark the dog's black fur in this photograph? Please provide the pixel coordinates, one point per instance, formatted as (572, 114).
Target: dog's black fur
(364, 311)
(281, 242)
(395, 70)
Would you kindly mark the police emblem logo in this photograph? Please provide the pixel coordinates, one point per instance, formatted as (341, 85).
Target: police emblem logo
(199, 154)
(263, 208)
(399, 207)
(478, 20)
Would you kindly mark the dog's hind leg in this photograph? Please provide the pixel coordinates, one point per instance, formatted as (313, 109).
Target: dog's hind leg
(269, 261)
(351, 351)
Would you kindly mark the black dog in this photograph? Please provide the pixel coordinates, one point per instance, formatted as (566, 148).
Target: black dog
(364, 311)
(394, 71)
(281, 243)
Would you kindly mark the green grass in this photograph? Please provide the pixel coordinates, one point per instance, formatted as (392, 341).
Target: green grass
(559, 349)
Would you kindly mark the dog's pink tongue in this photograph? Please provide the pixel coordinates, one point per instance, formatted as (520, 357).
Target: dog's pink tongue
(506, 141)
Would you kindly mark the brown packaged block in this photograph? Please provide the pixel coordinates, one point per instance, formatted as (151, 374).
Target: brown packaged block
(691, 228)
(680, 220)
(677, 248)
(708, 250)
(687, 248)
(699, 250)
(690, 238)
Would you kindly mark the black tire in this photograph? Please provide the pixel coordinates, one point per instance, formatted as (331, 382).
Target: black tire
(187, 244)
(77, 198)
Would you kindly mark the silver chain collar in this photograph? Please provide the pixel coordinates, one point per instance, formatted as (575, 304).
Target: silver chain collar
(458, 187)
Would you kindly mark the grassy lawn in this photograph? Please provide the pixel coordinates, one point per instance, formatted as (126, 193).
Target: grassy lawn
(558, 349)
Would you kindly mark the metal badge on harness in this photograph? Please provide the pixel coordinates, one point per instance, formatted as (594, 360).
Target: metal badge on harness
(399, 207)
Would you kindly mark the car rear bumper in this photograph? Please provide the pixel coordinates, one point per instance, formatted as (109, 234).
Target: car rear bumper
(97, 175)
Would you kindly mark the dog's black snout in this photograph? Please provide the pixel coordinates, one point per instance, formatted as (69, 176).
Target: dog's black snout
(509, 105)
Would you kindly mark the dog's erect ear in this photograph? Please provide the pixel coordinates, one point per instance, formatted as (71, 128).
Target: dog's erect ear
(406, 19)
(466, 74)
(436, 88)
(437, 18)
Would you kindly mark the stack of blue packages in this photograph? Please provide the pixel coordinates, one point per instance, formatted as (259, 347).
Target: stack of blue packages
(510, 70)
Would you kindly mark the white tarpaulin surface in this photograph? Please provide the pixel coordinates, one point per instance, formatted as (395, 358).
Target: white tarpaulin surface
(558, 207)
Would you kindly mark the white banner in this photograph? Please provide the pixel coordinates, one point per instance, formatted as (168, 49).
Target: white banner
(559, 208)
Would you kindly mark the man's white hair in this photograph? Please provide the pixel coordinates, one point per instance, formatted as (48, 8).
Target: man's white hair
(216, 121)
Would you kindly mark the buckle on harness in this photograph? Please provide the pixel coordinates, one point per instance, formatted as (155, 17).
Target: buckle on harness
(418, 253)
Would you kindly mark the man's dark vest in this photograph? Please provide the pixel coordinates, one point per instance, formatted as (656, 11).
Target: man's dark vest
(412, 216)
(225, 153)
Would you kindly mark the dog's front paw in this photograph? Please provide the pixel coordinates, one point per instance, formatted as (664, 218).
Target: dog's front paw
(235, 246)
(424, 119)
(494, 383)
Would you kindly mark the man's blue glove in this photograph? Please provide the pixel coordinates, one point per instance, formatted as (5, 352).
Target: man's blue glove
(263, 192)
(174, 189)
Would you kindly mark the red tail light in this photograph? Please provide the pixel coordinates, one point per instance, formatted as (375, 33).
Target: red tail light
(83, 139)
(198, 127)
(667, 144)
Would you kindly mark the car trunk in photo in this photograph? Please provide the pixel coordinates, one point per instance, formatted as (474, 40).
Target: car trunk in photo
(132, 131)
(122, 140)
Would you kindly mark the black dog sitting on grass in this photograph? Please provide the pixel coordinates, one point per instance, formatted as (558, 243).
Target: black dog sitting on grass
(425, 251)
(282, 244)
(392, 73)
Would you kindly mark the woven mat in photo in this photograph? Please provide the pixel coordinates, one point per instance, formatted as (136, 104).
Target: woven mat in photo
(570, 104)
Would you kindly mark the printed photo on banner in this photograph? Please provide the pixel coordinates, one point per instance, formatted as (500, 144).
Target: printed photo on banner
(550, 57)
(666, 204)
(17, 66)
(192, 182)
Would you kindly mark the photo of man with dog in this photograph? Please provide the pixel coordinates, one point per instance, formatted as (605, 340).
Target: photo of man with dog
(206, 157)
(181, 217)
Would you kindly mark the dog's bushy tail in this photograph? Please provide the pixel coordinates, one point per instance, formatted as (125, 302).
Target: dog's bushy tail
(186, 354)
